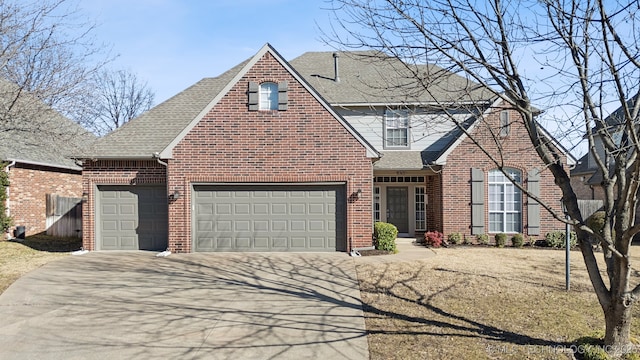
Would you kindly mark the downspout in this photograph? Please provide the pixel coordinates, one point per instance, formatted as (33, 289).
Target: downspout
(156, 155)
(7, 207)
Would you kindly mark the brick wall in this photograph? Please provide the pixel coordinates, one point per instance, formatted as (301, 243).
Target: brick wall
(113, 172)
(302, 144)
(28, 187)
(516, 152)
(585, 191)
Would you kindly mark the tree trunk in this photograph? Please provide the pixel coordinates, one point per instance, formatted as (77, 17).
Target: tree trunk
(618, 322)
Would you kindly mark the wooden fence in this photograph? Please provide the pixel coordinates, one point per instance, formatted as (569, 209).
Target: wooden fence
(64, 216)
(588, 207)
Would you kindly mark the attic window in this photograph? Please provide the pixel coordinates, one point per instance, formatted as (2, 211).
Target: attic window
(268, 96)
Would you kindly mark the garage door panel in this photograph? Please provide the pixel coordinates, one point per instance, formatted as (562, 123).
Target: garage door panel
(131, 217)
(269, 218)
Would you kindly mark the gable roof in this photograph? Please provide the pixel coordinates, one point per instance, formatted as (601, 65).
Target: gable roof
(160, 129)
(33, 133)
(373, 78)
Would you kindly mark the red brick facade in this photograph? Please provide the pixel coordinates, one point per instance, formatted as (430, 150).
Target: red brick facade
(303, 144)
(28, 187)
(516, 152)
(113, 172)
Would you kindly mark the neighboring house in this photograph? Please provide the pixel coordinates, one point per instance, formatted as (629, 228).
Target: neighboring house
(431, 176)
(35, 145)
(305, 156)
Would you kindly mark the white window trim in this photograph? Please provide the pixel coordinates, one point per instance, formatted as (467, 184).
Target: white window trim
(420, 207)
(377, 210)
(398, 116)
(505, 184)
(268, 96)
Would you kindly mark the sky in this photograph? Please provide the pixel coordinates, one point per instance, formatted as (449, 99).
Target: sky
(172, 44)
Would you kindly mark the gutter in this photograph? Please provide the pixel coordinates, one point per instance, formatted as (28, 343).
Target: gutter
(37, 163)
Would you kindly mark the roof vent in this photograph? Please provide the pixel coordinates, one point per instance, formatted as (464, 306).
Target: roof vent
(335, 67)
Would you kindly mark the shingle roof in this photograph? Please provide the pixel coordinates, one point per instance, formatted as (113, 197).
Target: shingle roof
(370, 77)
(152, 131)
(32, 132)
(159, 129)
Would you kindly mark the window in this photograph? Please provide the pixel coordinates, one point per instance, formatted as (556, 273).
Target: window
(504, 123)
(396, 129)
(505, 202)
(421, 223)
(268, 96)
(376, 203)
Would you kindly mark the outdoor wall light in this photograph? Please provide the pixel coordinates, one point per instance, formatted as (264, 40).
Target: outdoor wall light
(175, 195)
(85, 197)
(359, 194)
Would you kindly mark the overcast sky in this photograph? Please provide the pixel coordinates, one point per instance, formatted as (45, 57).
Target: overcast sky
(174, 43)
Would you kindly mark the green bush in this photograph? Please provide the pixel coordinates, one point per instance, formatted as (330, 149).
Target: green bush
(385, 236)
(596, 222)
(5, 221)
(455, 238)
(631, 356)
(556, 239)
(517, 240)
(467, 240)
(482, 239)
(433, 238)
(501, 239)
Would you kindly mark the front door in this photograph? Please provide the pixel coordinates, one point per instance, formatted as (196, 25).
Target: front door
(398, 208)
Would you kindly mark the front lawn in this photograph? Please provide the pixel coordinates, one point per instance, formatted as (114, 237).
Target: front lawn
(18, 258)
(480, 303)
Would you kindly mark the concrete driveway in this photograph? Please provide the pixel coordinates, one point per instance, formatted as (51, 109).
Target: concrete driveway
(133, 305)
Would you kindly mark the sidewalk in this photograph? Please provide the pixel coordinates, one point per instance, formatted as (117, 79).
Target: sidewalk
(408, 250)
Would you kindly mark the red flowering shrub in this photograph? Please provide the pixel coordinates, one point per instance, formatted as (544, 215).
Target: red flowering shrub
(433, 238)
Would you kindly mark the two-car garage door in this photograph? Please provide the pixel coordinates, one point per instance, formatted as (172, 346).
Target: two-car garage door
(269, 218)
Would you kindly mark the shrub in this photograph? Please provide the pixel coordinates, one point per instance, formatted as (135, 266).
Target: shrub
(467, 240)
(433, 238)
(501, 239)
(5, 221)
(596, 222)
(517, 240)
(385, 236)
(482, 239)
(556, 239)
(455, 238)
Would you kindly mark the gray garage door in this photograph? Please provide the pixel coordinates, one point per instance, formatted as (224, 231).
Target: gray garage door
(269, 218)
(132, 218)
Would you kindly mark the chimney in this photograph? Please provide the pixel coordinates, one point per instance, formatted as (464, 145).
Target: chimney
(335, 67)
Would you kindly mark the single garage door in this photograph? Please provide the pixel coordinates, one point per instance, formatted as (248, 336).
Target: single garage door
(269, 218)
(132, 217)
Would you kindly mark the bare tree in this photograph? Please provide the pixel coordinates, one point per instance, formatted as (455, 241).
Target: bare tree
(120, 96)
(576, 60)
(47, 59)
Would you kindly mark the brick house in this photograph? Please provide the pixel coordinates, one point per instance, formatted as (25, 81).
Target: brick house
(253, 160)
(35, 145)
(305, 156)
(431, 176)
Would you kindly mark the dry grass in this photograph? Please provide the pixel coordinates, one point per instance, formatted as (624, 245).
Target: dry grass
(480, 303)
(17, 259)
